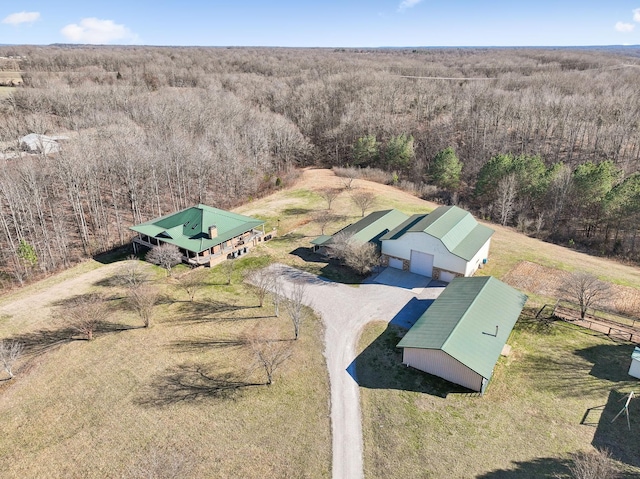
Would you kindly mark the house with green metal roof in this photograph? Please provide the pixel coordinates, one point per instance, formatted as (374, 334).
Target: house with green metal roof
(368, 230)
(204, 235)
(443, 244)
(461, 335)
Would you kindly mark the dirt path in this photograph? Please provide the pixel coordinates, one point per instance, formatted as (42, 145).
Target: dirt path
(345, 310)
(31, 309)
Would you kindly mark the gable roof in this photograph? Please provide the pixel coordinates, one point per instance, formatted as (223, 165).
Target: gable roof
(368, 229)
(458, 230)
(470, 321)
(189, 228)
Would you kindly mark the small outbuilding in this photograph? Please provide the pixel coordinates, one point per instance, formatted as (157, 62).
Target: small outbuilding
(460, 337)
(34, 143)
(443, 244)
(368, 230)
(204, 235)
(634, 368)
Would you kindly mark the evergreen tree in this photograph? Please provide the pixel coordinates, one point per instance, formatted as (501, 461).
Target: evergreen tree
(444, 170)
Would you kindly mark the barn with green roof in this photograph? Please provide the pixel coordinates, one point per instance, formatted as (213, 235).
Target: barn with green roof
(460, 337)
(443, 244)
(204, 235)
(368, 230)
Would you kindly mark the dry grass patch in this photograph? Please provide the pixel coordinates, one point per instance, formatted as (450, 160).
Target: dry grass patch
(550, 282)
(186, 384)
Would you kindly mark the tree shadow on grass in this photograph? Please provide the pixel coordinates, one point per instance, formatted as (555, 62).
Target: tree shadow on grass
(114, 255)
(198, 343)
(569, 373)
(192, 383)
(610, 361)
(210, 311)
(538, 467)
(39, 342)
(380, 366)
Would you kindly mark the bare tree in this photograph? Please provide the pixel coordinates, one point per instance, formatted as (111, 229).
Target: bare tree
(593, 465)
(585, 289)
(227, 267)
(323, 218)
(269, 353)
(294, 304)
(86, 314)
(506, 197)
(276, 295)
(193, 281)
(262, 282)
(363, 200)
(10, 352)
(132, 274)
(359, 256)
(329, 194)
(165, 255)
(142, 299)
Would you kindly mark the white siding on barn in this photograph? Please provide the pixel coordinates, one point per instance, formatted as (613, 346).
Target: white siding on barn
(418, 241)
(439, 363)
(475, 263)
(421, 263)
(395, 263)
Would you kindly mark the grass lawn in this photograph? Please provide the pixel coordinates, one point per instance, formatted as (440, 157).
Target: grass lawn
(554, 395)
(136, 400)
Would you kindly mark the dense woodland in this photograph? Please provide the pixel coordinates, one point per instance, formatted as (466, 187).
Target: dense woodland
(544, 140)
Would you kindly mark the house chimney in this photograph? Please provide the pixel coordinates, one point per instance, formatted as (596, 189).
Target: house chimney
(213, 231)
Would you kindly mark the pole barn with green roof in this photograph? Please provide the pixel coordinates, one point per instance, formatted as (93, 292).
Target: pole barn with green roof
(460, 337)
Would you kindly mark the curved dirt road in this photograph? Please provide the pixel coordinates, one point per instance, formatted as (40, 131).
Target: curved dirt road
(345, 310)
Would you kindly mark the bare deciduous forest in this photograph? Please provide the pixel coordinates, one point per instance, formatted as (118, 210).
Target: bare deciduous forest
(546, 140)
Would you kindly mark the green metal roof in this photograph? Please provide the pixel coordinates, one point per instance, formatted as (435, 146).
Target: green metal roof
(470, 321)
(189, 228)
(458, 230)
(370, 228)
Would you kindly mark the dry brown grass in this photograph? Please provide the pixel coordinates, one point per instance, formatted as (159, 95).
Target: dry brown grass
(550, 282)
(96, 409)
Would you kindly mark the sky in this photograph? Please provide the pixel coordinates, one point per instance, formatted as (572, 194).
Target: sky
(326, 23)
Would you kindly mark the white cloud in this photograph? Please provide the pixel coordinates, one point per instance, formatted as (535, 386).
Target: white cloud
(636, 15)
(21, 17)
(407, 4)
(94, 30)
(624, 27)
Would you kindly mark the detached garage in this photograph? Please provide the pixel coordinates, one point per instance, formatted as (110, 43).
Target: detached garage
(460, 337)
(444, 244)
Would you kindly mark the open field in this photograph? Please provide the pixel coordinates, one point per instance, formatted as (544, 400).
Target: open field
(135, 399)
(549, 282)
(556, 394)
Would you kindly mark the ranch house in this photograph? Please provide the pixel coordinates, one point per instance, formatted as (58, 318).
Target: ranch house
(204, 235)
(462, 334)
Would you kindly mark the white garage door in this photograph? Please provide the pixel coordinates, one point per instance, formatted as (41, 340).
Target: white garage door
(447, 276)
(395, 263)
(421, 263)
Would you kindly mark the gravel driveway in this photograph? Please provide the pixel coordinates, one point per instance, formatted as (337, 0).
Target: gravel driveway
(345, 310)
